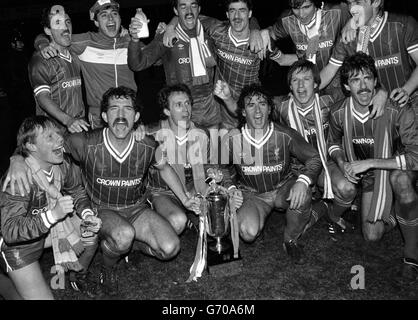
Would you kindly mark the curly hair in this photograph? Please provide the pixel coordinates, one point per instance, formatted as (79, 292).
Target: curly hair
(358, 62)
(164, 95)
(250, 91)
(119, 92)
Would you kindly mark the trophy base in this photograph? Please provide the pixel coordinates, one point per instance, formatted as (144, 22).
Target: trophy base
(224, 264)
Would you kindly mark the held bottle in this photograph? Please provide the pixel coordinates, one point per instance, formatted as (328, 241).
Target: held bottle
(143, 33)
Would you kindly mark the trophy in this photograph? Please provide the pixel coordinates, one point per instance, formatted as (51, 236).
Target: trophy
(218, 243)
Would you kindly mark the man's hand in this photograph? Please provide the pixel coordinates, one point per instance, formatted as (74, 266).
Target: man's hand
(297, 195)
(237, 197)
(348, 34)
(192, 204)
(256, 44)
(134, 27)
(170, 36)
(361, 166)
(222, 90)
(20, 173)
(140, 133)
(92, 223)
(379, 103)
(63, 207)
(123, 31)
(349, 173)
(77, 125)
(49, 52)
(265, 36)
(400, 96)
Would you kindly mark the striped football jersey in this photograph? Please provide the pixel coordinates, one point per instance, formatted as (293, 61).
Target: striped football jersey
(281, 115)
(60, 78)
(112, 179)
(333, 19)
(403, 128)
(390, 45)
(263, 163)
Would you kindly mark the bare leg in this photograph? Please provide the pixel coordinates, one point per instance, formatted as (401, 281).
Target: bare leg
(30, 283)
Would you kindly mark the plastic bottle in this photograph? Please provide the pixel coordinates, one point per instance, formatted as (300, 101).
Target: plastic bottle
(143, 33)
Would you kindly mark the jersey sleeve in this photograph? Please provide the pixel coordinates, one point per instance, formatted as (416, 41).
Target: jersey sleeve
(75, 145)
(140, 58)
(39, 75)
(345, 13)
(211, 25)
(79, 42)
(73, 186)
(335, 134)
(18, 223)
(306, 154)
(411, 35)
(408, 131)
(278, 30)
(340, 52)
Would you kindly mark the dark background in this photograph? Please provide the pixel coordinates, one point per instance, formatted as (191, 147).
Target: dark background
(25, 15)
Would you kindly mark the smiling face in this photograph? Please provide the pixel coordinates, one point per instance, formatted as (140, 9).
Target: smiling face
(256, 112)
(187, 11)
(362, 87)
(305, 12)
(362, 11)
(239, 16)
(303, 86)
(60, 30)
(120, 117)
(108, 21)
(180, 110)
(48, 146)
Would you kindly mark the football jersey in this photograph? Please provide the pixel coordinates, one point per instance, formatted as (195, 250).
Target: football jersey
(112, 179)
(262, 164)
(404, 132)
(237, 65)
(176, 145)
(177, 68)
(390, 44)
(60, 78)
(333, 19)
(281, 114)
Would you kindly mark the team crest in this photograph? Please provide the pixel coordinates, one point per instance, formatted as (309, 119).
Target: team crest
(276, 154)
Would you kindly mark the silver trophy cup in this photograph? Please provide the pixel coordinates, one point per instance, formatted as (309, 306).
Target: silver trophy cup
(218, 219)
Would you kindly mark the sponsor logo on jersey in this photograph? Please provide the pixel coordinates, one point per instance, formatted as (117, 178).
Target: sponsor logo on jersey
(369, 141)
(392, 60)
(234, 58)
(180, 46)
(322, 45)
(118, 182)
(312, 131)
(71, 83)
(255, 170)
(184, 60)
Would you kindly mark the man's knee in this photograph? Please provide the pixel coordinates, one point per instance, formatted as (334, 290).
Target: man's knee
(373, 231)
(402, 183)
(249, 232)
(170, 249)
(178, 221)
(121, 238)
(346, 190)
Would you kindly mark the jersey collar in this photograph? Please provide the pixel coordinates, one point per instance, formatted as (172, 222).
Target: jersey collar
(235, 41)
(257, 143)
(379, 27)
(119, 157)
